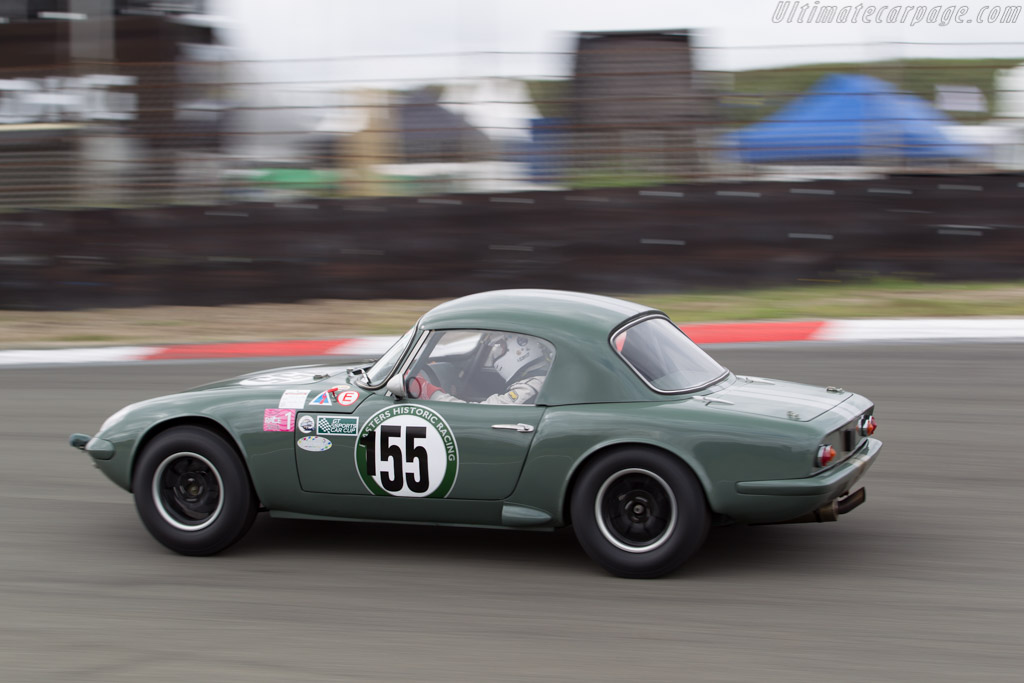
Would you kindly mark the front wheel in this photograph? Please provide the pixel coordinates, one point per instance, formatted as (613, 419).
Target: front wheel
(193, 492)
(639, 513)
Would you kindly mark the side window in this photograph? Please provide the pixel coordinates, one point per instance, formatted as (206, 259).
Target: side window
(480, 366)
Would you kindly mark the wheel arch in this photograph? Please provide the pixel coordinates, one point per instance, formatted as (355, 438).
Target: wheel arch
(604, 449)
(200, 421)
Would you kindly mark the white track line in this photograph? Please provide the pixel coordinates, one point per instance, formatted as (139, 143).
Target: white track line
(112, 354)
(923, 329)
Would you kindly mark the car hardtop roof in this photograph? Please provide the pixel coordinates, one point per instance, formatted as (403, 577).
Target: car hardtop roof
(541, 312)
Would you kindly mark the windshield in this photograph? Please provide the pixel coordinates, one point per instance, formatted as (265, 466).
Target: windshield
(383, 367)
(665, 357)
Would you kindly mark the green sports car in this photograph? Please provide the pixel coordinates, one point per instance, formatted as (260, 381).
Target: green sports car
(525, 409)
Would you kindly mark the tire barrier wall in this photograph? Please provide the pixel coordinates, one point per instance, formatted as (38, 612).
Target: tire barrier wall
(676, 238)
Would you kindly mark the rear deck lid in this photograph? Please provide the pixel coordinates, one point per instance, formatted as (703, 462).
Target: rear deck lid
(775, 398)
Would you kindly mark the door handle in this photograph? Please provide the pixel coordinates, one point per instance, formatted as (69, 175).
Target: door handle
(515, 428)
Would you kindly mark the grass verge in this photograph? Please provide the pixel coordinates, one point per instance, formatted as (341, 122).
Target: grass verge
(337, 318)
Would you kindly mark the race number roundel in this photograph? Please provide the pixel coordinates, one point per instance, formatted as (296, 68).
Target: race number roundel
(407, 451)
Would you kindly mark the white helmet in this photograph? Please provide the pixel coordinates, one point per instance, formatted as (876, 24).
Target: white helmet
(511, 353)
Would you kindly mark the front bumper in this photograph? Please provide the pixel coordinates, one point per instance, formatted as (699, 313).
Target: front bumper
(99, 449)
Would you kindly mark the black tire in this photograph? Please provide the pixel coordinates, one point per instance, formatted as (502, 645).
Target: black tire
(639, 513)
(193, 492)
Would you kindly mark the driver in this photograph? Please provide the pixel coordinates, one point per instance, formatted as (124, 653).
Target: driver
(523, 362)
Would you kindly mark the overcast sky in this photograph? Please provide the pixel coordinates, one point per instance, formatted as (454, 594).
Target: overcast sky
(731, 33)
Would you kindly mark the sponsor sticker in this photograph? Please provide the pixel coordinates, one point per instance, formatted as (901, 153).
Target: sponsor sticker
(278, 420)
(306, 424)
(315, 444)
(293, 398)
(347, 398)
(407, 451)
(336, 425)
(322, 399)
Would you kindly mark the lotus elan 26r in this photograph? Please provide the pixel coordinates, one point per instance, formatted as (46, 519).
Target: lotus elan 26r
(519, 409)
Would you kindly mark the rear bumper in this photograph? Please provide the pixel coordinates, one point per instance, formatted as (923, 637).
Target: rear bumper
(782, 500)
(830, 484)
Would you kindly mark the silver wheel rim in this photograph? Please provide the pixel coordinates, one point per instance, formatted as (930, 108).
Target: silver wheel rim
(655, 482)
(164, 495)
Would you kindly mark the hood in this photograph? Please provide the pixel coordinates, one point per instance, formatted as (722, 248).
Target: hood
(775, 398)
(291, 376)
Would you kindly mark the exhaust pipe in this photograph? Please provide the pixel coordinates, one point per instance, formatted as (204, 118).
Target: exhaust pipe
(851, 502)
(830, 512)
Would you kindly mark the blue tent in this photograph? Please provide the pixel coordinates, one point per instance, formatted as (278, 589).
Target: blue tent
(850, 118)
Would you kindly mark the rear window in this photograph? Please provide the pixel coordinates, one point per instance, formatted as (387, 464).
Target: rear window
(665, 357)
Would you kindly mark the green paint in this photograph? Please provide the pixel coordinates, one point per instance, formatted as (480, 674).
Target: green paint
(743, 447)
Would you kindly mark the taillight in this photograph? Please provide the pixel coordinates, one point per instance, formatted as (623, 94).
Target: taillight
(826, 454)
(867, 425)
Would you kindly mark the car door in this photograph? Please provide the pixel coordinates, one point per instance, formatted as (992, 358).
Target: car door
(466, 436)
(383, 445)
(430, 449)
(408, 448)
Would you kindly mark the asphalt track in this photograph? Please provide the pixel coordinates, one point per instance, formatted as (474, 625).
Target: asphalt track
(922, 583)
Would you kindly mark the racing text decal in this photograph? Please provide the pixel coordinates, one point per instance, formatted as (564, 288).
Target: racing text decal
(408, 451)
(332, 425)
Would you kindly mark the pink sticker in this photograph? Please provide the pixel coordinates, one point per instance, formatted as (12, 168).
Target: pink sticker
(348, 398)
(278, 420)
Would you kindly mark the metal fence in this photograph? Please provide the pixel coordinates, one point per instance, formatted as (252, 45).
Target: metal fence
(206, 130)
(676, 238)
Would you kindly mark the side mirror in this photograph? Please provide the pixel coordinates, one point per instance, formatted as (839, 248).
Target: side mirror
(396, 385)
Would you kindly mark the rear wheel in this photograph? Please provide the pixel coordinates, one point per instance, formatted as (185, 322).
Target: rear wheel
(193, 492)
(639, 513)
